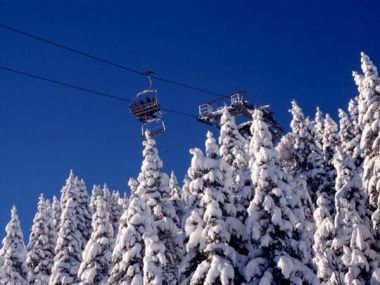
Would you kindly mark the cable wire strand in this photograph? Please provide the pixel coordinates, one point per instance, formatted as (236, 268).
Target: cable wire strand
(106, 61)
(83, 89)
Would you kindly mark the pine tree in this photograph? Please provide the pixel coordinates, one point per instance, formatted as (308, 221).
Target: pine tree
(127, 256)
(325, 257)
(271, 223)
(300, 153)
(56, 213)
(14, 269)
(319, 128)
(41, 243)
(70, 241)
(107, 195)
(154, 189)
(353, 244)
(133, 184)
(357, 152)
(116, 210)
(75, 189)
(219, 264)
(95, 267)
(96, 191)
(177, 200)
(84, 212)
(193, 227)
(302, 159)
(232, 151)
(346, 133)
(368, 119)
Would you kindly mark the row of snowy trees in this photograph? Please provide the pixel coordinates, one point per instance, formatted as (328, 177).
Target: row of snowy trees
(303, 211)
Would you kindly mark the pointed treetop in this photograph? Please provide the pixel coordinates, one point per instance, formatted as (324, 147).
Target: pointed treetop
(41, 197)
(212, 149)
(152, 160)
(196, 161)
(369, 69)
(13, 228)
(260, 132)
(96, 190)
(330, 124)
(148, 135)
(318, 114)
(14, 214)
(226, 116)
(296, 109)
(258, 114)
(173, 179)
(133, 184)
(106, 192)
(342, 114)
(298, 117)
(71, 175)
(319, 127)
(42, 202)
(345, 128)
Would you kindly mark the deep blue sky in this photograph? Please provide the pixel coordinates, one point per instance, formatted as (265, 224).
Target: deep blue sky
(278, 50)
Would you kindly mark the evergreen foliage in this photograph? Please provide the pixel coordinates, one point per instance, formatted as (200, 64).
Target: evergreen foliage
(14, 269)
(41, 244)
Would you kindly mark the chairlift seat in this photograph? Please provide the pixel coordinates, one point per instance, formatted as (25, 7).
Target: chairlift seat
(154, 127)
(145, 107)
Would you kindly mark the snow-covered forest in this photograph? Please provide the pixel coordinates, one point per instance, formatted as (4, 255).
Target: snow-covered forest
(301, 210)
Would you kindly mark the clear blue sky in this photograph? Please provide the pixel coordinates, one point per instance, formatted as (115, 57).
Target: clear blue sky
(278, 50)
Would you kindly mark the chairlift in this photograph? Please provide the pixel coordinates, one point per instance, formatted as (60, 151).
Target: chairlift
(146, 108)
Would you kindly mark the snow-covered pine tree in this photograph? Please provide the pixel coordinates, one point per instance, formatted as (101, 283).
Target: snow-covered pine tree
(75, 189)
(133, 184)
(330, 142)
(96, 264)
(116, 210)
(14, 269)
(275, 257)
(219, 265)
(96, 191)
(107, 194)
(84, 212)
(319, 128)
(56, 212)
(369, 115)
(353, 244)
(303, 160)
(41, 244)
(70, 240)
(68, 249)
(193, 226)
(232, 151)
(300, 154)
(346, 133)
(176, 198)
(161, 252)
(302, 141)
(324, 256)
(357, 152)
(129, 250)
